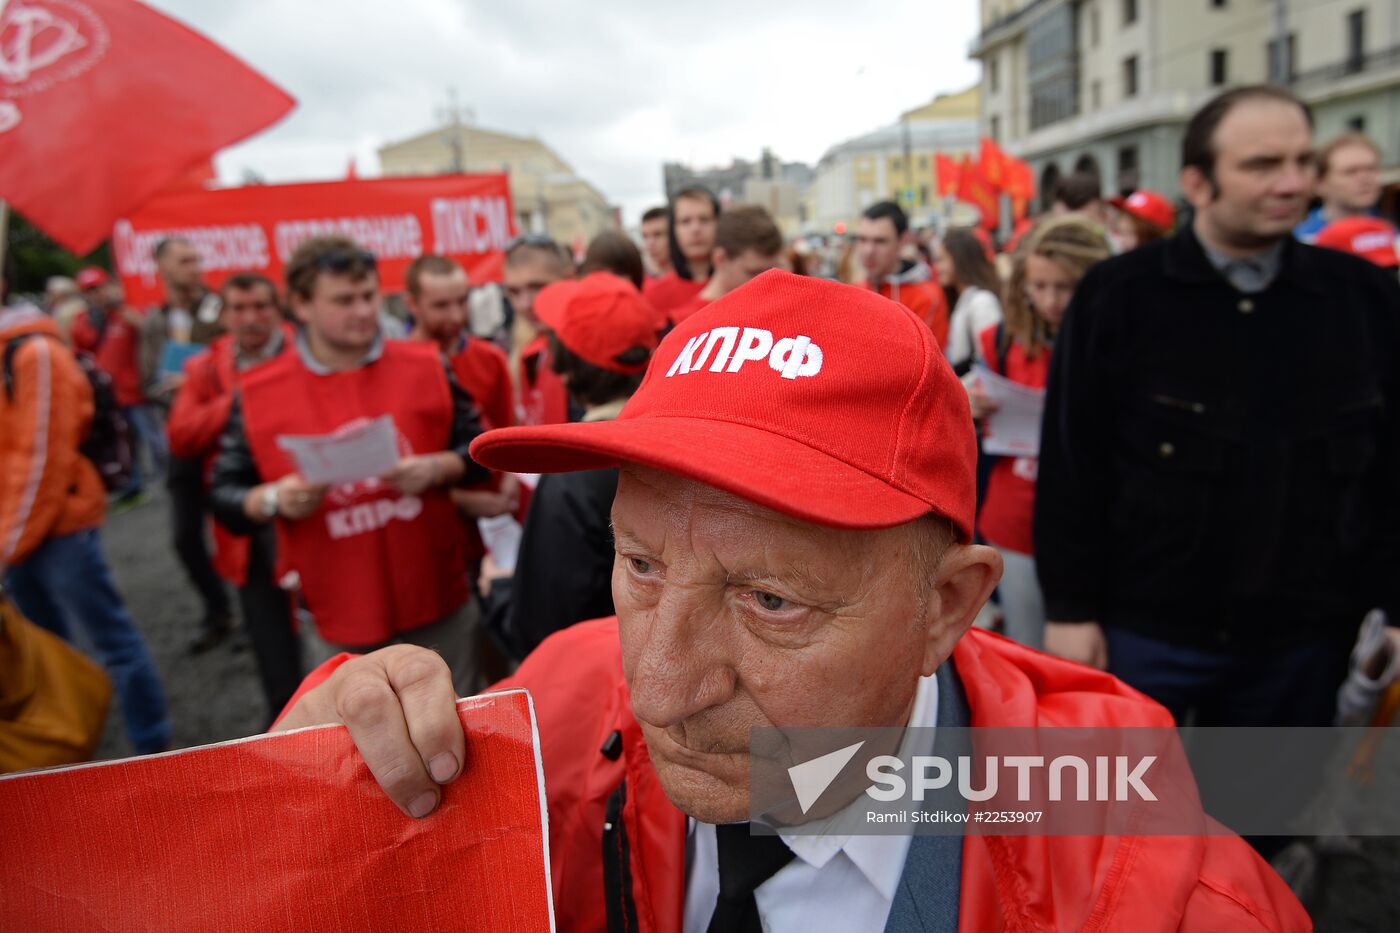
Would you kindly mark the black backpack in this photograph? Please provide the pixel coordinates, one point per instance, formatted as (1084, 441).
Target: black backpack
(108, 441)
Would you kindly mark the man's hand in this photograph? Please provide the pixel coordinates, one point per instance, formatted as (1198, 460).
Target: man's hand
(1077, 641)
(488, 503)
(401, 710)
(490, 573)
(417, 474)
(298, 499)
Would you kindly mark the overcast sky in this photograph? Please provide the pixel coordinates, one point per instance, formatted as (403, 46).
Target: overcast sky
(616, 87)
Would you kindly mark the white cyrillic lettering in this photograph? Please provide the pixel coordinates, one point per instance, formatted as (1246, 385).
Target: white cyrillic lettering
(682, 364)
(754, 345)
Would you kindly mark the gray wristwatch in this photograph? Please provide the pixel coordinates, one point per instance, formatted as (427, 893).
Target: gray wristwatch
(269, 502)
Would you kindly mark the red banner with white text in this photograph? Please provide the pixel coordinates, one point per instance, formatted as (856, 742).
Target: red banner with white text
(255, 228)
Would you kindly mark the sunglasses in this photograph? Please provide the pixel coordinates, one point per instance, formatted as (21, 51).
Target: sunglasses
(346, 260)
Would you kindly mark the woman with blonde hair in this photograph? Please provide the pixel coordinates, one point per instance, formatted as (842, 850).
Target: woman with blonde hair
(1046, 270)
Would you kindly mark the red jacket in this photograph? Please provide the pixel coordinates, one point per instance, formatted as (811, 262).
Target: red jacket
(1144, 884)
(1005, 517)
(670, 291)
(373, 563)
(197, 418)
(924, 298)
(115, 348)
(544, 399)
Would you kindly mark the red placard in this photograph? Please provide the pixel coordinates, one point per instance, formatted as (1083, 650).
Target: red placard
(282, 832)
(255, 228)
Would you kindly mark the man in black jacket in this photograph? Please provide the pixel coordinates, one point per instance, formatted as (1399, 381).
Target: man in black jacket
(1217, 499)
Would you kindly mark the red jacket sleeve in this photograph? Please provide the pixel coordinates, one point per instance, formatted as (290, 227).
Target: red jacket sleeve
(200, 411)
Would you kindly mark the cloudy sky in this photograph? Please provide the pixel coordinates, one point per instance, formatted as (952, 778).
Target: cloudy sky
(616, 87)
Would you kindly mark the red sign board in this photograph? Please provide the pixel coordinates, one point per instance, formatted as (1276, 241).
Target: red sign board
(256, 228)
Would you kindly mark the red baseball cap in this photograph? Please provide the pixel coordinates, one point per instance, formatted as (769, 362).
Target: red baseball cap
(1148, 206)
(599, 317)
(91, 277)
(1368, 237)
(818, 400)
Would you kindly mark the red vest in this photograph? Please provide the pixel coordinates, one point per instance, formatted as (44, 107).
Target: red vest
(372, 563)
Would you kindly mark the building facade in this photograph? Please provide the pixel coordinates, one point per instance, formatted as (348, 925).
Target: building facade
(546, 193)
(775, 185)
(895, 163)
(1108, 85)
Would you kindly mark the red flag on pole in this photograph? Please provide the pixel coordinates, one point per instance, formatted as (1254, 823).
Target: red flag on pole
(992, 162)
(947, 174)
(104, 102)
(978, 191)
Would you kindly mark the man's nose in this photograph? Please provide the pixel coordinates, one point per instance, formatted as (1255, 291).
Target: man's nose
(681, 666)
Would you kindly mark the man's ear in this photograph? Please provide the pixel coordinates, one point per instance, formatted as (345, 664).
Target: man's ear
(298, 305)
(1198, 190)
(966, 576)
(718, 257)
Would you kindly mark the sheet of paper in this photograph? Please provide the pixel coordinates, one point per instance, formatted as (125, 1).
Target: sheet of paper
(175, 355)
(501, 535)
(283, 832)
(358, 451)
(1013, 430)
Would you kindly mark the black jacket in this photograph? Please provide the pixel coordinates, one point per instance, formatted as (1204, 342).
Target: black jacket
(1218, 468)
(563, 574)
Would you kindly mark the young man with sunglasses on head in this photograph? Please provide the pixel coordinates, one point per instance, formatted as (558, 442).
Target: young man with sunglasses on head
(381, 561)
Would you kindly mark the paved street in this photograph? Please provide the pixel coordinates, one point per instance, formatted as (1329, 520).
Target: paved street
(215, 696)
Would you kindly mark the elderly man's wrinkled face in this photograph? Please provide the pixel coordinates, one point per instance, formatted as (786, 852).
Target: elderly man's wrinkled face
(734, 617)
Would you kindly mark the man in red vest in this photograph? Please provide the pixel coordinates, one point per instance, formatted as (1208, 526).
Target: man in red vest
(381, 560)
(533, 262)
(436, 296)
(792, 529)
(879, 236)
(198, 415)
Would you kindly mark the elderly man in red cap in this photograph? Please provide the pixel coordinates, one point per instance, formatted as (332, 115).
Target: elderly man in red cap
(792, 530)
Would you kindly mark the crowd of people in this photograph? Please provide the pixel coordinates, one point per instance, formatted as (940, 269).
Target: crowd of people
(1209, 515)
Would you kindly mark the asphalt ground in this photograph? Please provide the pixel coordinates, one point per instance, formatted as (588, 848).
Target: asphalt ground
(215, 696)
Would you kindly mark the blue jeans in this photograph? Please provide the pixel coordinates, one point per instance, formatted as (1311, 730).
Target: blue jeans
(67, 580)
(146, 431)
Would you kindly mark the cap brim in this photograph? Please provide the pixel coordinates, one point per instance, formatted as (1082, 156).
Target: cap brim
(770, 470)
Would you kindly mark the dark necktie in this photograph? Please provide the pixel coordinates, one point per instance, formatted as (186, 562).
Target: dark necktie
(745, 862)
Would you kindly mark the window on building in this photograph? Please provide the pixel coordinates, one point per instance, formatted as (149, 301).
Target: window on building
(993, 73)
(1127, 169)
(1280, 60)
(923, 163)
(1217, 4)
(1130, 76)
(995, 129)
(1093, 27)
(1357, 124)
(1356, 40)
(923, 195)
(896, 164)
(1130, 12)
(1095, 94)
(1219, 67)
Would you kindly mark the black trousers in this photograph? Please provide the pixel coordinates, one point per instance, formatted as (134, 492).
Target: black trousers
(189, 508)
(268, 618)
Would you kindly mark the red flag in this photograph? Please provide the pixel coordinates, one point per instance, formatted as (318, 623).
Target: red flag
(947, 174)
(978, 191)
(992, 162)
(104, 102)
(1020, 179)
(351, 173)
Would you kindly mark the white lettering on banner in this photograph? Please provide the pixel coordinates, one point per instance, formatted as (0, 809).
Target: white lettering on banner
(470, 225)
(790, 357)
(365, 517)
(387, 236)
(220, 248)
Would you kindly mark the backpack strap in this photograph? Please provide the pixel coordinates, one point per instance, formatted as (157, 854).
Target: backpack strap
(11, 348)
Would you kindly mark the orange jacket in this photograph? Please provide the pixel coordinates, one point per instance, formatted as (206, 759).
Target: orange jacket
(47, 488)
(1143, 884)
(924, 298)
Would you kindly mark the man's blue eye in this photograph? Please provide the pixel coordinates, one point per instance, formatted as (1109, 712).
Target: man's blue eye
(640, 565)
(769, 601)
